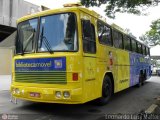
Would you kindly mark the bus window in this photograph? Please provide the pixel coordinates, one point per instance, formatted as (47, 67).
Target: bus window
(58, 33)
(117, 39)
(27, 32)
(146, 51)
(88, 35)
(121, 44)
(139, 48)
(127, 42)
(134, 48)
(104, 33)
(143, 49)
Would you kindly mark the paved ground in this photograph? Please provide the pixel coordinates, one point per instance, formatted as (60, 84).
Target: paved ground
(129, 101)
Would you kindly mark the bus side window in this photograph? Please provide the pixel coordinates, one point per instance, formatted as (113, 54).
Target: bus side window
(117, 39)
(88, 36)
(121, 43)
(139, 47)
(134, 48)
(104, 33)
(127, 42)
(148, 51)
(145, 50)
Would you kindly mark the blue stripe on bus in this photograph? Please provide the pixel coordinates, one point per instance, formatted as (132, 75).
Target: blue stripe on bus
(137, 63)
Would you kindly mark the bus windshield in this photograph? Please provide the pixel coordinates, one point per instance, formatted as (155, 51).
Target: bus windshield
(27, 32)
(57, 32)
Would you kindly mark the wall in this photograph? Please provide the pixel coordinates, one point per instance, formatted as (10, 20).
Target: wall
(11, 10)
(5, 61)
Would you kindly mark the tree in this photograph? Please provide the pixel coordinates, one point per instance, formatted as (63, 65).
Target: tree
(152, 36)
(113, 6)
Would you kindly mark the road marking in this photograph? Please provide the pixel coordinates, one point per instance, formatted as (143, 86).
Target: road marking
(44, 117)
(151, 109)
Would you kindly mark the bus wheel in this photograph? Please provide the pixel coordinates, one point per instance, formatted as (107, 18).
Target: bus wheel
(144, 78)
(106, 91)
(141, 80)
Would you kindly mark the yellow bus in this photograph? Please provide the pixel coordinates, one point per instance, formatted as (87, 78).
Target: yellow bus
(71, 56)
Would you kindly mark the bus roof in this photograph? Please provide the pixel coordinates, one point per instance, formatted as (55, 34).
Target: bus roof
(60, 10)
(70, 9)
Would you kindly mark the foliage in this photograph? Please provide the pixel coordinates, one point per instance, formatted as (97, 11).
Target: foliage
(152, 36)
(113, 6)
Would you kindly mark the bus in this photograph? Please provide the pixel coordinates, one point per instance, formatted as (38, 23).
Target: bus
(71, 56)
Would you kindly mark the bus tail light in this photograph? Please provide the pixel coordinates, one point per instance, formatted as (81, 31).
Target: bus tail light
(111, 62)
(75, 76)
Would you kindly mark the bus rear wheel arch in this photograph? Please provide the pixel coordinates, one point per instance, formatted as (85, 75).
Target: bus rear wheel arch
(107, 91)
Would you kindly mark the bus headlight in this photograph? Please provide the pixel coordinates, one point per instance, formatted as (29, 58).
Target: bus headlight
(66, 94)
(58, 94)
(17, 91)
(13, 91)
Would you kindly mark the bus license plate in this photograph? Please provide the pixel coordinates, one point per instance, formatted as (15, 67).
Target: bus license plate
(34, 94)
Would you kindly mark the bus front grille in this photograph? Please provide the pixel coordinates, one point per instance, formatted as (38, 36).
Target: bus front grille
(56, 77)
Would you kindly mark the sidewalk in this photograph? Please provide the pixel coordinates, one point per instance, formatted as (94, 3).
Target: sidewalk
(5, 82)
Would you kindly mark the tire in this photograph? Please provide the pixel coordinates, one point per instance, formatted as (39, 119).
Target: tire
(144, 78)
(107, 91)
(141, 80)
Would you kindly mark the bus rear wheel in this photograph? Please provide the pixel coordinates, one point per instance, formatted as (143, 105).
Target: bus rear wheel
(141, 80)
(106, 91)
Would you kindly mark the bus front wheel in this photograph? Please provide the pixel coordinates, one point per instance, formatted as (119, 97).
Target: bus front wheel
(106, 91)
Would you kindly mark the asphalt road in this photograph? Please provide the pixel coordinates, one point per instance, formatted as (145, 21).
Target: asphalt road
(129, 101)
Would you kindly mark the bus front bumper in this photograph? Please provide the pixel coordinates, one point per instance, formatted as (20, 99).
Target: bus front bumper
(49, 95)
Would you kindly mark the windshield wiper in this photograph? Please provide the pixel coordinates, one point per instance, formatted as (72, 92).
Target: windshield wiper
(44, 40)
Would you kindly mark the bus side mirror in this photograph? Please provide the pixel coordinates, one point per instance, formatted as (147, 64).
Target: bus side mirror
(86, 26)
